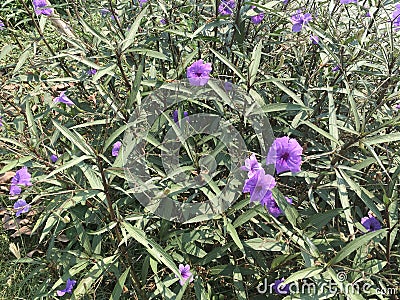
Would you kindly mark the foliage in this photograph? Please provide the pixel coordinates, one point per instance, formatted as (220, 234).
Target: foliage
(85, 223)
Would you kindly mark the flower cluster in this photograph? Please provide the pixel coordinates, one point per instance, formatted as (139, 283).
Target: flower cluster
(259, 185)
(21, 178)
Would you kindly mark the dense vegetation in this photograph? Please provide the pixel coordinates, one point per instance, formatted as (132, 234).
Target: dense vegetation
(322, 216)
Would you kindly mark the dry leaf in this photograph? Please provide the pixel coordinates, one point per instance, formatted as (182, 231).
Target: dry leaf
(62, 238)
(30, 254)
(23, 230)
(6, 177)
(15, 250)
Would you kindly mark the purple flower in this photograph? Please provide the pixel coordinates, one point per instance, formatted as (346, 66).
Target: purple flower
(259, 186)
(397, 106)
(285, 154)
(396, 17)
(115, 149)
(175, 115)
(53, 158)
(299, 20)
(21, 206)
(91, 72)
(63, 99)
(336, 68)
(347, 1)
(2, 25)
(15, 190)
(226, 7)
(198, 73)
(251, 165)
(68, 288)
(163, 21)
(368, 14)
(41, 8)
(281, 289)
(273, 207)
(371, 223)
(104, 12)
(314, 39)
(185, 273)
(257, 18)
(285, 2)
(141, 2)
(228, 86)
(22, 177)
(1, 121)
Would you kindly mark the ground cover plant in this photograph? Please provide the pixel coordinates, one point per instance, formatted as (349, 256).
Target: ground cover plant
(308, 89)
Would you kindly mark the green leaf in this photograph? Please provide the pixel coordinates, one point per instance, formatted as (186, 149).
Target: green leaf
(319, 220)
(130, 37)
(232, 232)
(302, 274)
(227, 62)
(385, 138)
(264, 244)
(366, 196)
(116, 293)
(68, 165)
(75, 140)
(152, 247)
(255, 63)
(288, 209)
(22, 59)
(344, 200)
(355, 244)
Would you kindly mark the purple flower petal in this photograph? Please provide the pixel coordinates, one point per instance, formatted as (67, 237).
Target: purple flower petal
(281, 289)
(41, 8)
(259, 186)
(226, 7)
(251, 165)
(68, 288)
(63, 99)
(53, 158)
(314, 39)
(115, 149)
(371, 223)
(21, 206)
(185, 273)
(15, 190)
(299, 20)
(396, 17)
(22, 177)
